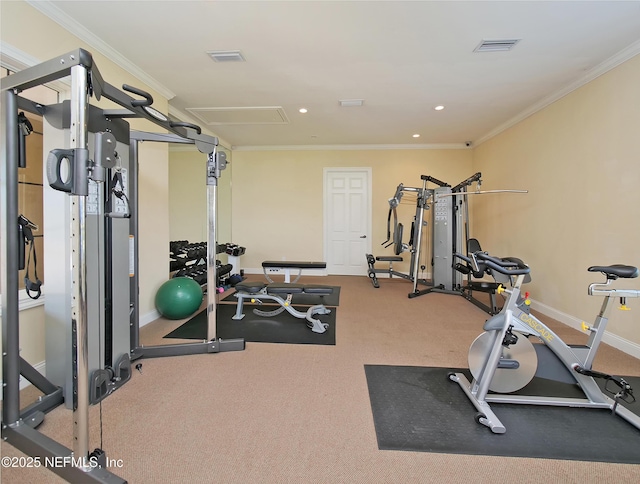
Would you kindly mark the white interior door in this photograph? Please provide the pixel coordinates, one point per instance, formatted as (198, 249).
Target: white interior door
(347, 220)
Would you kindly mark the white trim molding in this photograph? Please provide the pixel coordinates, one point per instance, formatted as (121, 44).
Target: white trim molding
(444, 146)
(16, 60)
(48, 9)
(611, 339)
(150, 317)
(602, 68)
(25, 302)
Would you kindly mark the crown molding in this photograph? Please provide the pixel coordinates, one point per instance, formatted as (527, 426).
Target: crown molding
(54, 13)
(450, 146)
(16, 60)
(621, 57)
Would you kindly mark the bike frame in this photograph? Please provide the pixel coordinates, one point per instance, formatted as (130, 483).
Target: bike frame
(516, 316)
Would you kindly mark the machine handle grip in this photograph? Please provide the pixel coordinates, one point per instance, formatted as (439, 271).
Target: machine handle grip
(147, 101)
(54, 163)
(118, 215)
(183, 124)
(507, 267)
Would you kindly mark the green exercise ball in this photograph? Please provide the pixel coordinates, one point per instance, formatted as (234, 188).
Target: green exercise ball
(179, 298)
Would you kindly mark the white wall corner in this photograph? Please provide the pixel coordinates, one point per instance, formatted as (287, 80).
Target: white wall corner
(150, 317)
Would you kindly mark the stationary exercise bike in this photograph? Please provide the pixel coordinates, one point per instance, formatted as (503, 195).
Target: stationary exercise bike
(503, 360)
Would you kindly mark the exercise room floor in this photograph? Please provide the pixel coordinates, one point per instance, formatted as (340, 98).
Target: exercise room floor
(279, 413)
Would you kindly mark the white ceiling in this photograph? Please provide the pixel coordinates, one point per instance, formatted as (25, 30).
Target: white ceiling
(402, 58)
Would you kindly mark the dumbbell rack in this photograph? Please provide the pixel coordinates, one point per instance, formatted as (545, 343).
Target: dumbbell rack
(189, 260)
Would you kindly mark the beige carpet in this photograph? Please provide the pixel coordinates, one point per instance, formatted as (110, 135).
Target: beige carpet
(277, 413)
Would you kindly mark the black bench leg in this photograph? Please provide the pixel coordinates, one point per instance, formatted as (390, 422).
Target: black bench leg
(371, 273)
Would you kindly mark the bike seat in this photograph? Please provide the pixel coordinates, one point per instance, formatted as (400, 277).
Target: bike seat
(616, 270)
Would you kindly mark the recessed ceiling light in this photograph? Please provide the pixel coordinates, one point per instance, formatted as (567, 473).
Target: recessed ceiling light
(416, 135)
(439, 108)
(302, 110)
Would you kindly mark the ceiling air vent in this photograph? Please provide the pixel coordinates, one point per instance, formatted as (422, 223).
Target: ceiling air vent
(496, 45)
(226, 55)
(350, 103)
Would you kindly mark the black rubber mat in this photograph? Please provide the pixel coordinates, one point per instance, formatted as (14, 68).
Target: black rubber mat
(420, 409)
(283, 328)
(331, 300)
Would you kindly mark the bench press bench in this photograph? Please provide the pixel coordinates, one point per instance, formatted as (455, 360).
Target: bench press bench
(256, 291)
(287, 265)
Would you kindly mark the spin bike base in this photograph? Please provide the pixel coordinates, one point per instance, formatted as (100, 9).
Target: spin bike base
(420, 409)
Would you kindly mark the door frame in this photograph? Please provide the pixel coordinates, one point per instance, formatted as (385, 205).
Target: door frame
(325, 212)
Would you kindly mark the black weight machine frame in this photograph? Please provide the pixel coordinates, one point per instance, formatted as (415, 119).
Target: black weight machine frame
(451, 229)
(449, 233)
(424, 195)
(19, 427)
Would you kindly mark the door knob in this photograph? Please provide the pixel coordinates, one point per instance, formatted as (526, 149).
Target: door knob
(363, 236)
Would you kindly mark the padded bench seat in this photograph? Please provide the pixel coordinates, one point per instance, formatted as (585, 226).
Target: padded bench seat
(389, 258)
(287, 265)
(291, 264)
(255, 287)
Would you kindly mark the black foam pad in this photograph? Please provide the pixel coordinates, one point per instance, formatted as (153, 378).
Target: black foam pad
(318, 290)
(289, 264)
(285, 289)
(252, 287)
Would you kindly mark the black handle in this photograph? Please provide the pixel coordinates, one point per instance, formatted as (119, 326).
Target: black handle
(434, 180)
(182, 124)
(508, 267)
(147, 101)
(54, 162)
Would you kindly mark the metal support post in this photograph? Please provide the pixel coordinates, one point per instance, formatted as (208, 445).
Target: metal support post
(216, 162)
(78, 142)
(134, 293)
(422, 201)
(9, 240)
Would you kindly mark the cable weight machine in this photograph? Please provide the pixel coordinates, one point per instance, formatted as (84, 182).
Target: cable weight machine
(423, 197)
(447, 235)
(91, 219)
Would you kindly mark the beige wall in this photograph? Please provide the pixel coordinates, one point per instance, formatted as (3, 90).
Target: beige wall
(188, 196)
(579, 159)
(153, 222)
(277, 198)
(45, 40)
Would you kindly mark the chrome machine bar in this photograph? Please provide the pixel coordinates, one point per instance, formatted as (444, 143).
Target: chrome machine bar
(78, 142)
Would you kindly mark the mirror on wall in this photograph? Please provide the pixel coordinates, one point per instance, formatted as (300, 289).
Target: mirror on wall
(188, 196)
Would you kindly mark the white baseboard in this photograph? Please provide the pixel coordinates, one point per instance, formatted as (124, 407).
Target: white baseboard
(150, 317)
(614, 340)
(24, 383)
